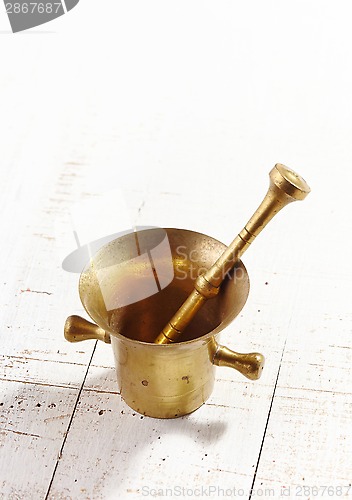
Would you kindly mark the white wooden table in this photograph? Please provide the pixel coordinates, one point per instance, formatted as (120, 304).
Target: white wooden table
(170, 103)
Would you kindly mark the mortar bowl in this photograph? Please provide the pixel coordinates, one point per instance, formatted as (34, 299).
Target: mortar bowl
(130, 289)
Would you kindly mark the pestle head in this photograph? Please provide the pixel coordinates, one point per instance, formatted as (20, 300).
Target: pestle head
(289, 182)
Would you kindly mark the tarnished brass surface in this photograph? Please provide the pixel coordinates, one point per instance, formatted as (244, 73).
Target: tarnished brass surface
(285, 186)
(165, 381)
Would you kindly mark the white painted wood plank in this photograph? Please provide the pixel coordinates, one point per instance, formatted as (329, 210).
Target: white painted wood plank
(308, 442)
(36, 406)
(175, 129)
(134, 453)
(33, 422)
(309, 438)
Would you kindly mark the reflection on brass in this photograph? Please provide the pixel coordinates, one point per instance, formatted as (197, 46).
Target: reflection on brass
(285, 186)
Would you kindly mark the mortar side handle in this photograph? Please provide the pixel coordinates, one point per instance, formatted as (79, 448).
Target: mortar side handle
(250, 365)
(77, 329)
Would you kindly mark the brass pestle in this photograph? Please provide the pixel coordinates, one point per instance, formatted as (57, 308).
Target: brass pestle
(285, 186)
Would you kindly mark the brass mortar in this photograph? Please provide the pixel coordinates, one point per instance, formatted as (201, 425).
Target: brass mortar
(172, 374)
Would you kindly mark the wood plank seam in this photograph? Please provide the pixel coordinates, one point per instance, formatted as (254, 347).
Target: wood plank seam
(70, 423)
(267, 421)
(27, 358)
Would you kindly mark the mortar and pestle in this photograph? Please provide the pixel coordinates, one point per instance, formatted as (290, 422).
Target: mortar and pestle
(166, 367)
